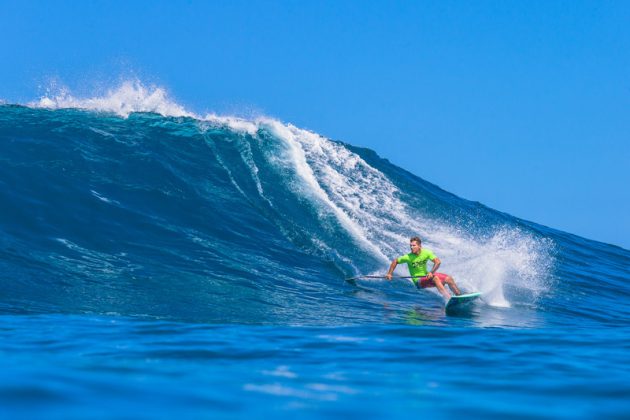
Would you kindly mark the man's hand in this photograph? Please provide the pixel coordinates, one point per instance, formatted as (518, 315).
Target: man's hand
(389, 276)
(430, 275)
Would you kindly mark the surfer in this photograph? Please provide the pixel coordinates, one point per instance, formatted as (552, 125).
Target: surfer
(416, 261)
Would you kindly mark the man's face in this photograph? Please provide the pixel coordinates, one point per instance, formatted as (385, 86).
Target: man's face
(415, 247)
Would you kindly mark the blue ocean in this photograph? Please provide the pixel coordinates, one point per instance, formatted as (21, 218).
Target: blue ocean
(157, 264)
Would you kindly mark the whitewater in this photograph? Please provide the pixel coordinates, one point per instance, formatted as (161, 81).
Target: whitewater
(158, 262)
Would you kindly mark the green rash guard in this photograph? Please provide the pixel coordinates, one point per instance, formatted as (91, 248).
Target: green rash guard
(417, 264)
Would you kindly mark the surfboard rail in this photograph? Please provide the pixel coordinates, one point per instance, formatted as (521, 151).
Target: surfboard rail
(461, 301)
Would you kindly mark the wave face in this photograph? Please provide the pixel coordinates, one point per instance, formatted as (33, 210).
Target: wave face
(226, 220)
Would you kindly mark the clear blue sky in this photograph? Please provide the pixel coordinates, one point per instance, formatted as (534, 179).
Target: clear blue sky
(523, 106)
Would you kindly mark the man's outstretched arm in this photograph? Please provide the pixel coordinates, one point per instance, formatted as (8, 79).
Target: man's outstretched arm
(392, 267)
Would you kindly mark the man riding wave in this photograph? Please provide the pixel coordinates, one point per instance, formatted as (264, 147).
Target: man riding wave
(416, 261)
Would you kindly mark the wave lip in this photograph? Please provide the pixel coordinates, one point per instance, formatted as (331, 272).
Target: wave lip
(129, 97)
(133, 96)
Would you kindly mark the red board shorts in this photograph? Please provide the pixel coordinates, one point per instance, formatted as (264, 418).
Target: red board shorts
(425, 282)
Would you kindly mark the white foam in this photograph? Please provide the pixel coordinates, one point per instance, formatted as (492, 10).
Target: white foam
(236, 124)
(129, 97)
(133, 96)
(295, 140)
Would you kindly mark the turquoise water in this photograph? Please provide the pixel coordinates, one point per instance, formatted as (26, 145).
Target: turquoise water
(155, 266)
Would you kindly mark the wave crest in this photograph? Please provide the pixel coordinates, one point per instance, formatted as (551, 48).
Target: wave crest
(129, 97)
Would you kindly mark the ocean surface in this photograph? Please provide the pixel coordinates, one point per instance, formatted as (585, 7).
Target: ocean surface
(156, 263)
